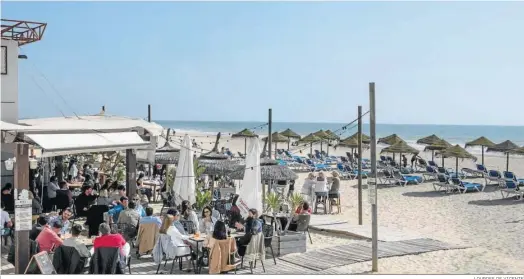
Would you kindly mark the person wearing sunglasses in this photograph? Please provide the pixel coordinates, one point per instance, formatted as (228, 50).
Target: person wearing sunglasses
(207, 223)
(138, 206)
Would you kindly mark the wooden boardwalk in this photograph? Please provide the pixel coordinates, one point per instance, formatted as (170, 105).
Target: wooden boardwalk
(323, 259)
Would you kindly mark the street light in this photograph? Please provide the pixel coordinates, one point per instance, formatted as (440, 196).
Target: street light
(10, 163)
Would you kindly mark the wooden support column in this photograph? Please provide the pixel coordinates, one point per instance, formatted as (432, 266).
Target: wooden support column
(21, 183)
(131, 189)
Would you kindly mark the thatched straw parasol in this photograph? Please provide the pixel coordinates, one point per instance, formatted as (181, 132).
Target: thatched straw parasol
(429, 140)
(290, 134)
(400, 147)
(269, 170)
(438, 146)
(220, 167)
(323, 136)
(365, 138)
(311, 138)
(506, 147)
(276, 138)
(167, 154)
(246, 133)
(390, 140)
(482, 142)
(457, 152)
(331, 136)
(214, 156)
(351, 143)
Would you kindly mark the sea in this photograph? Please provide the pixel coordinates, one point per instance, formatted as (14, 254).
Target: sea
(454, 134)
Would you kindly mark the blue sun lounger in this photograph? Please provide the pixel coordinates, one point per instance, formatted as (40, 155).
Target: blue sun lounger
(464, 186)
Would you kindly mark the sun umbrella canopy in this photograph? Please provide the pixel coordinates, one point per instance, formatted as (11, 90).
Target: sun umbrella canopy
(288, 133)
(365, 138)
(269, 172)
(519, 151)
(458, 152)
(438, 145)
(390, 140)
(268, 162)
(276, 137)
(331, 135)
(250, 194)
(429, 140)
(246, 133)
(482, 141)
(400, 147)
(184, 182)
(506, 146)
(166, 158)
(168, 147)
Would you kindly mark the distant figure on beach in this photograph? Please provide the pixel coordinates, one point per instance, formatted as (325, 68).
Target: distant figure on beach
(404, 160)
(356, 155)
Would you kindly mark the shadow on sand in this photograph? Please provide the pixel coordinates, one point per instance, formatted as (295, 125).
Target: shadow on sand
(506, 201)
(430, 194)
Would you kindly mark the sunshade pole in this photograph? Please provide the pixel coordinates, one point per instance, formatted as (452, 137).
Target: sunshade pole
(245, 146)
(507, 161)
(327, 149)
(482, 155)
(457, 166)
(442, 159)
(432, 155)
(288, 141)
(311, 148)
(321, 146)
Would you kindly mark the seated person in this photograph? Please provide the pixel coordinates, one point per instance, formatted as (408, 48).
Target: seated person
(48, 238)
(176, 222)
(63, 218)
(144, 190)
(257, 222)
(75, 242)
(36, 207)
(115, 211)
(207, 222)
(249, 229)
(118, 193)
(41, 222)
(103, 198)
(138, 206)
(107, 239)
(83, 201)
(179, 240)
(188, 214)
(234, 211)
(149, 218)
(304, 209)
(129, 216)
(5, 222)
(63, 186)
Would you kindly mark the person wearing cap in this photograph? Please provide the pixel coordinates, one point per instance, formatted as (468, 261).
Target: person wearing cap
(115, 211)
(48, 238)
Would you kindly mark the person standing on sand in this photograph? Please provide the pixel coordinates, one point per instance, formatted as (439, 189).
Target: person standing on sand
(404, 161)
(413, 160)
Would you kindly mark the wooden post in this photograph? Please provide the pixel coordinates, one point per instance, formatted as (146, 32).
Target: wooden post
(103, 109)
(373, 188)
(130, 173)
(167, 139)
(21, 183)
(359, 165)
(269, 138)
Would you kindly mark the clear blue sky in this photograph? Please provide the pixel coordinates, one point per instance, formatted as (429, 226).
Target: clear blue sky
(434, 63)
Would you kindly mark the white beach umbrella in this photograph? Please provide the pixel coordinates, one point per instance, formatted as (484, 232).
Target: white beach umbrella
(250, 195)
(184, 184)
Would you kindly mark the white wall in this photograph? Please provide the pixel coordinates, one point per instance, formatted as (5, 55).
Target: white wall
(9, 99)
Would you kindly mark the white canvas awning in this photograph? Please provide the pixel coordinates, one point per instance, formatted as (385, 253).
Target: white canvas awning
(64, 144)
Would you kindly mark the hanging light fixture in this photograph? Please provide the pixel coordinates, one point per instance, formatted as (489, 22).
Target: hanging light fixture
(33, 163)
(10, 164)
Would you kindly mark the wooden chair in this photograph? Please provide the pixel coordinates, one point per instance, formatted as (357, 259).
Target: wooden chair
(335, 201)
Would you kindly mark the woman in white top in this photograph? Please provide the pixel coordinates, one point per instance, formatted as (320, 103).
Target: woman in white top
(189, 214)
(307, 188)
(207, 223)
(179, 241)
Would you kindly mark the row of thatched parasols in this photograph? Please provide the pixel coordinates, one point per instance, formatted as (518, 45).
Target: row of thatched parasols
(447, 150)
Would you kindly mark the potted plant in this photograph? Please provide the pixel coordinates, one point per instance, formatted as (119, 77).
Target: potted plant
(202, 198)
(273, 203)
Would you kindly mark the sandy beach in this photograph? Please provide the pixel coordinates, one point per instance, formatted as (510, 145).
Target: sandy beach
(483, 221)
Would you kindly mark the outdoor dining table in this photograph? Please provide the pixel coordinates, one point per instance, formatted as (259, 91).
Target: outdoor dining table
(153, 184)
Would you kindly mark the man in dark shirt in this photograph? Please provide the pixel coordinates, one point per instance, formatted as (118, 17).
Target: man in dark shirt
(84, 200)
